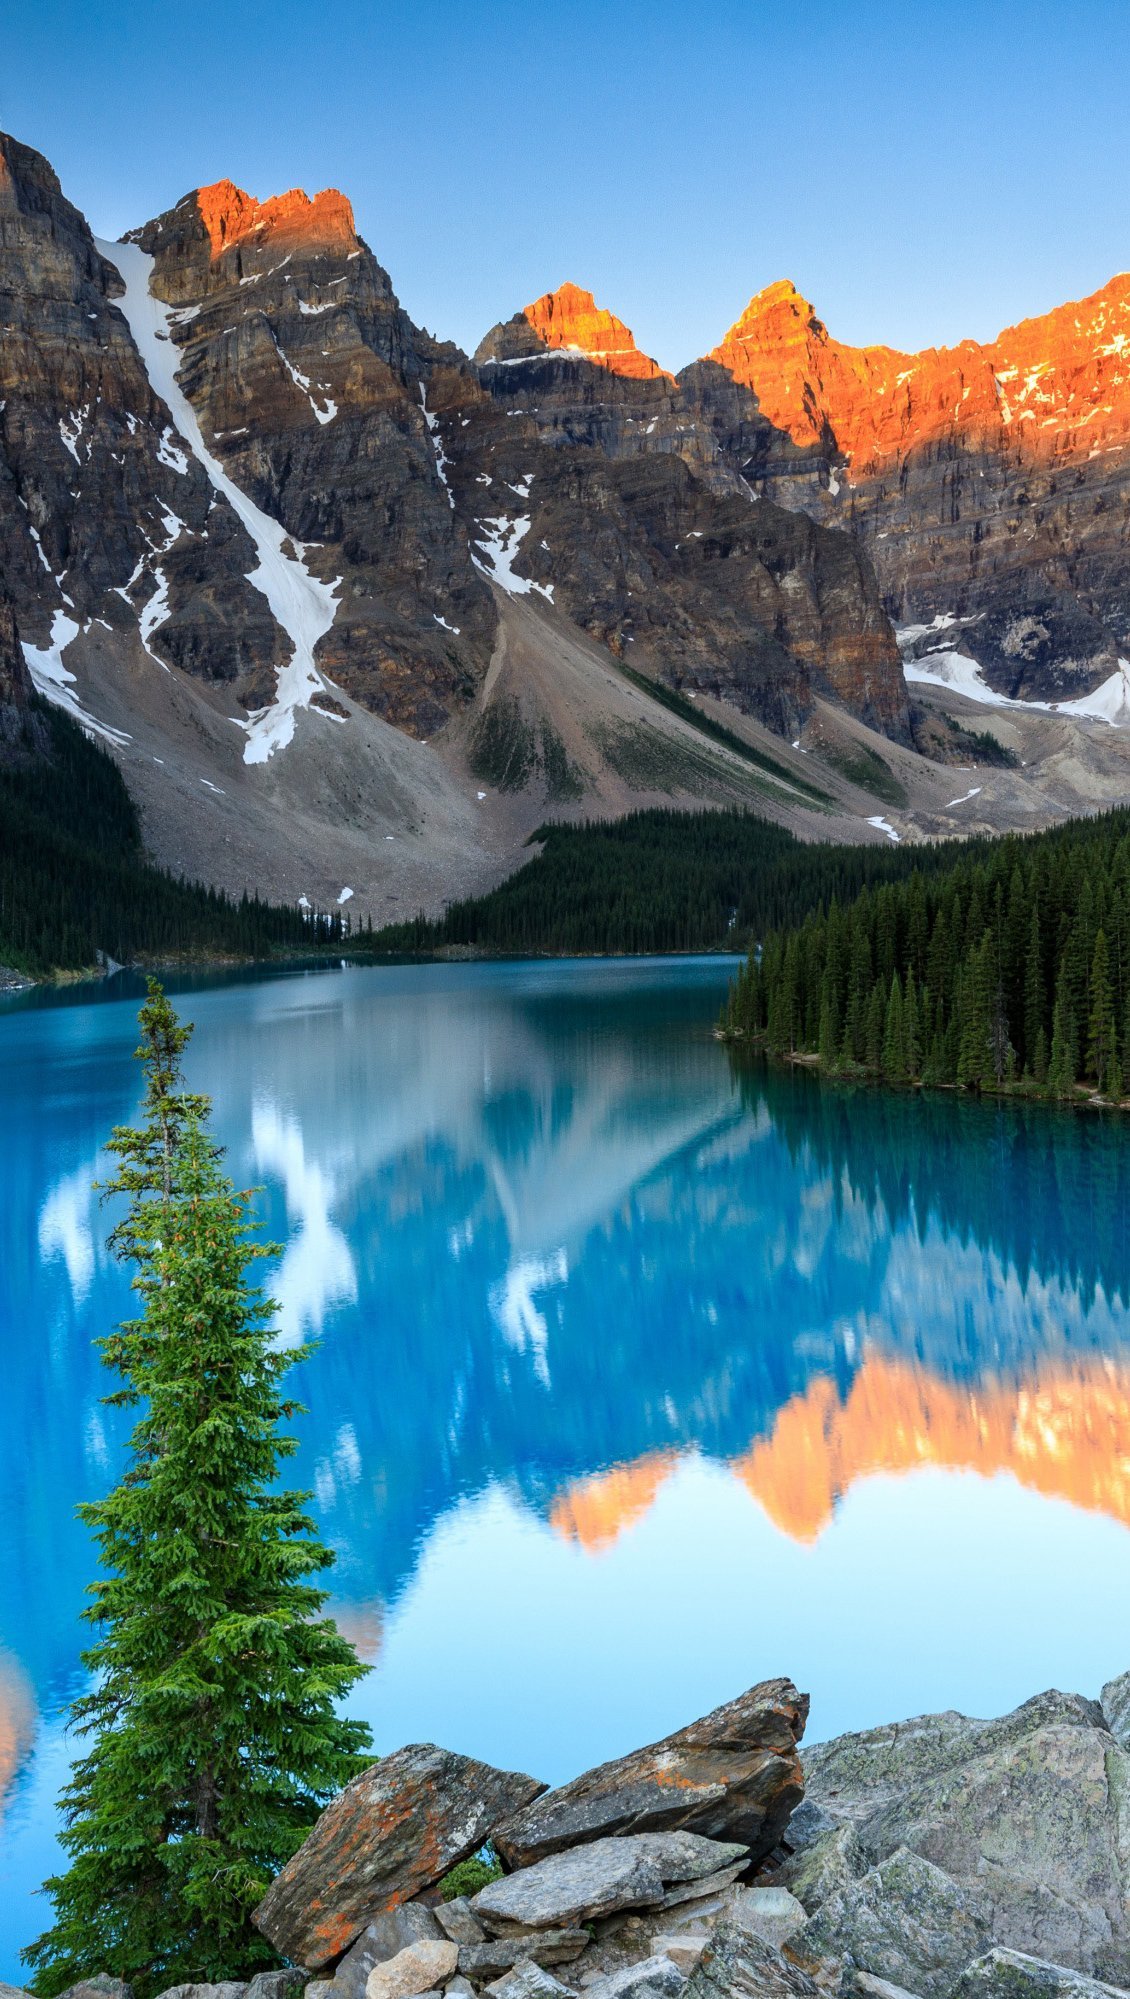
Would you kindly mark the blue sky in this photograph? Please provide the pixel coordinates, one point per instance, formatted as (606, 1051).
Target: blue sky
(921, 171)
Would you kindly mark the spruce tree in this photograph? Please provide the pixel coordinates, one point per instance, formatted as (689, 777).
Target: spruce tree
(212, 1719)
(1102, 1045)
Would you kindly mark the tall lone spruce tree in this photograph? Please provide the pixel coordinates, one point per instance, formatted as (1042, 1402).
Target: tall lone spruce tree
(213, 1724)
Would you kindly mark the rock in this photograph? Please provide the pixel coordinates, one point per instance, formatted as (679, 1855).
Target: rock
(229, 1988)
(709, 1885)
(1024, 1809)
(479, 1961)
(589, 1881)
(687, 1856)
(1115, 1703)
(528, 1981)
(408, 1923)
(658, 1975)
(277, 1985)
(808, 1823)
(867, 1986)
(771, 1913)
(397, 1828)
(1011, 1974)
(684, 1951)
(457, 1920)
(738, 1964)
(320, 1988)
(733, 1775)
(102, 1986)
(905, 1921)
(819, 1870)
(418, 1968)
(13, 1992)
(459, 1988)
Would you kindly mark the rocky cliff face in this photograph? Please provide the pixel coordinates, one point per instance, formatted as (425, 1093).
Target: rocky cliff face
(989, 482)
(311, 386)
(641, 527)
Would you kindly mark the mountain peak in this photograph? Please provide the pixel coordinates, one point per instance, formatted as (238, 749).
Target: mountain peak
(230, 215)
(569, 320)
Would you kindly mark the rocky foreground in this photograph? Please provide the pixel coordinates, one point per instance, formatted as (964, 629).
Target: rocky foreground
(940, 1858)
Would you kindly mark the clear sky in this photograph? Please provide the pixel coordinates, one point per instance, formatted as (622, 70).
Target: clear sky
(922, 169)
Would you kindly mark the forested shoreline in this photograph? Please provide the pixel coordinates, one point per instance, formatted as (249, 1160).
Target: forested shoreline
(1007, 970)
(76, 886)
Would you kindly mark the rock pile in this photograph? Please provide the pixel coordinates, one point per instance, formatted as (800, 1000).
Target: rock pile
(942, 1858)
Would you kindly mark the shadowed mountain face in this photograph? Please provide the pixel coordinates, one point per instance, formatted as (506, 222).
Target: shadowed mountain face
(989, 482)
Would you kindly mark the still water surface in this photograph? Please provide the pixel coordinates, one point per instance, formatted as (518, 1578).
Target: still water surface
(641, 1376)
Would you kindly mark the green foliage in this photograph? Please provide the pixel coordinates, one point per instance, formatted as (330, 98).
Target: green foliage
(678, 704)
(213, 1715)
(864, 766)
(503, 751)
(471, 1875)
(656, 881)
(997, 965)
(74, 879)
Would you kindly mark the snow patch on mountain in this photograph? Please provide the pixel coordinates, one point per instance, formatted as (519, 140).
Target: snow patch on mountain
(302, 604)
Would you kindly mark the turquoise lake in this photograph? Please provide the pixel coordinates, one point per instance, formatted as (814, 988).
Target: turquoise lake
(642, 1374)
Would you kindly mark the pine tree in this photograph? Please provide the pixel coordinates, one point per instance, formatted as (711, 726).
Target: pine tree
(895, 1064)
(1102, 1046)
(212, 1718)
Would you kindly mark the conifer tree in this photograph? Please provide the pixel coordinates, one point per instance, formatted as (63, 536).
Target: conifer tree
(1102, 1049)
(212, 1719)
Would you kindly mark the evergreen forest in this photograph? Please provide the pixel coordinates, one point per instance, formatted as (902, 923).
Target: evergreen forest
(1007, 968)
(75, 882)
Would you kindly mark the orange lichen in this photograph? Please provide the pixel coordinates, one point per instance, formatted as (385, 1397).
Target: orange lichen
(1056, 386)
(570, 317)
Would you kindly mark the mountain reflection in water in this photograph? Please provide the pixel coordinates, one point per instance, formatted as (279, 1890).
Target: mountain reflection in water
(626, 1353)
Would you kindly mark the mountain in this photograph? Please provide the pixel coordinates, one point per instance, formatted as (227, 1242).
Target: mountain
(989, 483)
(355, 612)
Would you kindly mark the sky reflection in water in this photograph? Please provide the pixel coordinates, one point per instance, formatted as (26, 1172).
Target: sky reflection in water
(641, 1376)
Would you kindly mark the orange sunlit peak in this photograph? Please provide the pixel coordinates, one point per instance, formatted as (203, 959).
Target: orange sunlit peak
(229, 214)
(571, 318)
(594, 1512)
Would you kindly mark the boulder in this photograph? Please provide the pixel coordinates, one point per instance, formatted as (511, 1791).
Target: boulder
(771, 1913)
(102, 1986)
(397, 1828)
(459, 1988)
(688, 1856)
(1011, 1974)
(391, 1933)
(13, 1992)
(286, 1984)
(735, 1775)
(709, 1884)
(458, 1921)
(228, 1988)
(528, 1981)
(589, 1881)
(684, 1951)
(1115, 1703)
(420, 1967)
(822, 1869)
(659, 1976)
(858, 1984)
(494, 1959)
(1027, 1810)
(904, 1921)
(738, 1964)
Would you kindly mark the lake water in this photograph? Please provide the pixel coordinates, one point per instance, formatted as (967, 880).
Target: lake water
(641, 1376)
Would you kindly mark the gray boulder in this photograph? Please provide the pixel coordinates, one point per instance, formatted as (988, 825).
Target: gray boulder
(13, 1991)
(491, 1960)
(771, 1913)
(738, 1964)
(384, 1938)
(709, 1884)
(101, 1986)
(457, 1920)
(1011, 1974)
(733, 1775)
(1115, 1703)
(273, 1985)
(228, 1988)
(528, 1981)
(830, 1864)
(904, 1921)
(590, 1881)
(1028, 1810)
(659, 1976)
